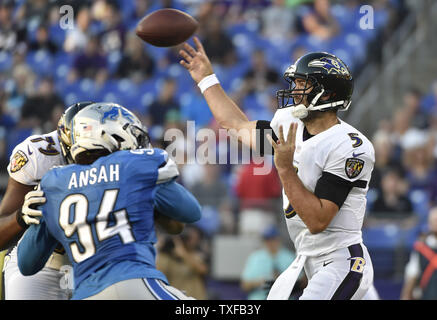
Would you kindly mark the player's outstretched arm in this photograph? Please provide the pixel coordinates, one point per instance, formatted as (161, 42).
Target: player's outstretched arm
(316, 213)
(10, 229)
(175, 202)
(227, 114)
(35, 248)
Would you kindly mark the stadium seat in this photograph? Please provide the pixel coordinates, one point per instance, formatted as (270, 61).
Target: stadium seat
(409, 236)
(5, 61)
(127, 8)
(68, 90)
(149, 86)
(108, 92)
(229, 76)
(385, 236)
(381, 18)
(420, 201)
(111, 97)
(15, 136)
(129, 95)
(348, 18)
(252, 102)
(244, 44)
(242, 28)
(113, 59)
(312, 43)
(57, 34)
(382, 242)
(372, 195)
(61, 65)
(40, 62)
(70, 98)
(87, 88)
(184, 82)
(185, 99)
(427, 103)
(348, 47)
(357, 45)
(256, 106)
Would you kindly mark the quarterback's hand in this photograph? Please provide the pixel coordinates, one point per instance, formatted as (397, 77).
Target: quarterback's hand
(196, 61)
(29, 212)
(284, 150)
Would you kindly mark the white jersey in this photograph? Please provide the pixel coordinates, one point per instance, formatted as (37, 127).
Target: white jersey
(30, 161)
(32, 158)
(341, 151)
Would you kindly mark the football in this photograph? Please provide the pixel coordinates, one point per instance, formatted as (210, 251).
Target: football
(166, 27)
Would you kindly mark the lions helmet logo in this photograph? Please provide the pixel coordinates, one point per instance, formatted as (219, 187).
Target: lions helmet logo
(114, 112)
(331, 65)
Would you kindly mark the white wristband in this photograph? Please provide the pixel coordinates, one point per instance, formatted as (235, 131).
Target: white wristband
(207, 82)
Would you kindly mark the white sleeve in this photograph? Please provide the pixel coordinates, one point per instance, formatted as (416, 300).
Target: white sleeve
(167, 172)
(22, 165)
(351, 164)
(33, 157)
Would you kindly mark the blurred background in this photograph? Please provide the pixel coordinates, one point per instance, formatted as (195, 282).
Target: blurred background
(240, 245)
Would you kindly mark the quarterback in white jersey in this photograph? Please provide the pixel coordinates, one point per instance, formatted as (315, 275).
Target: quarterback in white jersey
(324, 166)
(341, 154)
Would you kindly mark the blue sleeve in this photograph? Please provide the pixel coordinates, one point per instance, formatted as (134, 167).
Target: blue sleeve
(176, 202)
(35, 248)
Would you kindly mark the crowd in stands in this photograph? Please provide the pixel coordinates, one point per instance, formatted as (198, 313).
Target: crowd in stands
(404, 181)
(44, 68)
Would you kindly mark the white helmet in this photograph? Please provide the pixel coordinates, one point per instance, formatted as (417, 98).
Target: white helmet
(103, 128)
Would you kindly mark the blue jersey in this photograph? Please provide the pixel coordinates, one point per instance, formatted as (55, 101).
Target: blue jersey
(103, 215)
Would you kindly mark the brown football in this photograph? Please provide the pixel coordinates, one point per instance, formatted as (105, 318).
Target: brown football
(166, 27)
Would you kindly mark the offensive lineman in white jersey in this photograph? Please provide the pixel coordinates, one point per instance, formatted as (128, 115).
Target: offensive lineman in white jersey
(30, 160)
(324, 166)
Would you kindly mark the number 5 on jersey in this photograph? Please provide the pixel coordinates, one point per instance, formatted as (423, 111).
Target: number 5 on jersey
(83, 229)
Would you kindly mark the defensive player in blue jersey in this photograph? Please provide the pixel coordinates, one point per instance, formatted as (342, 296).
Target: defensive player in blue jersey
(102, 209)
